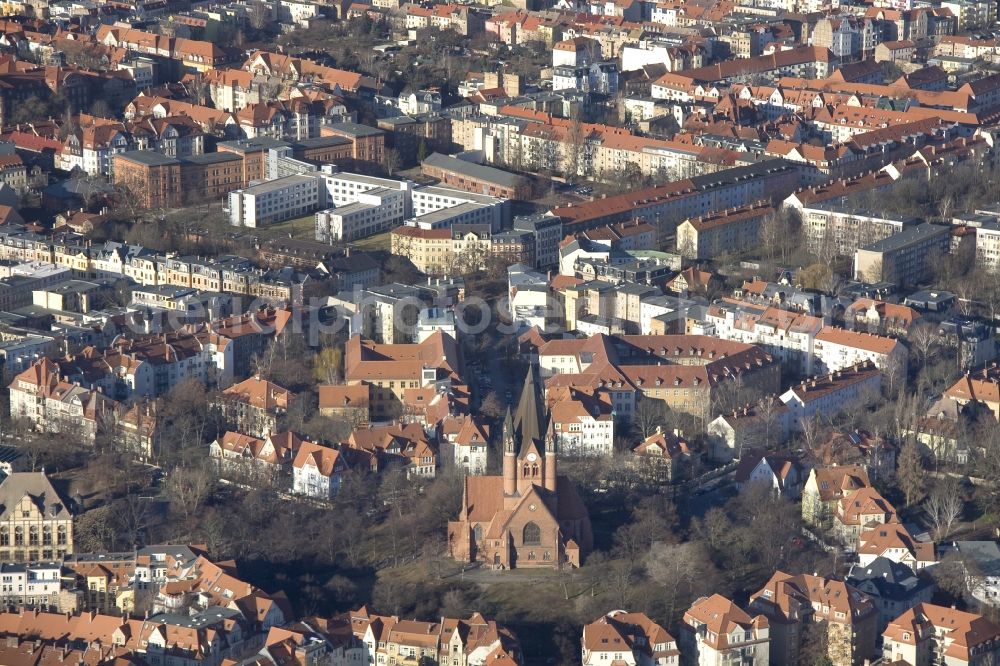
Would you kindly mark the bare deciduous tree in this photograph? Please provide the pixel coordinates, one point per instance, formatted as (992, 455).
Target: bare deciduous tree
(943, 508)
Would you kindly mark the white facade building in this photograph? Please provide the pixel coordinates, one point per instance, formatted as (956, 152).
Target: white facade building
(274, 201)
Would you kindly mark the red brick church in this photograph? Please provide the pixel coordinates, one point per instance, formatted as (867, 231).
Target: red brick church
(530, 516)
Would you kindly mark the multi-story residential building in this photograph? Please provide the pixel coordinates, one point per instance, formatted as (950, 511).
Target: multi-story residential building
(151, 366)
(847, 37)
(824, 489)
(831, 393)
(36, 522)
(254, 405)
(892, 541)
(847, 616)
(51, 404)
(726, 231)
(390, 369)
(903, 257)
(662, 458)
(929, 635)
(631, 638)
(892, 586)
(689, 373)
(667, 205)
(859, 511)
(93, 146)
(584, 423)
(103, 581)
(837, 348)
(830, 228)
(790, 336)
(458, 642)
(35, 584)
(470, 443)
(317, 471)
(13, 172)
(458, 250)
(715, 631)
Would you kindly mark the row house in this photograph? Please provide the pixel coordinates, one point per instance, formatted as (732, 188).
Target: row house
(831, 394)
(194, 55)
(245, 458)
(405, 446)
(289, 68)
(92, 146)
(475, 641)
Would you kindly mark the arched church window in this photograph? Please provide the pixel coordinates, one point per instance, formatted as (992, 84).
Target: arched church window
(477, 533)
(531, 534)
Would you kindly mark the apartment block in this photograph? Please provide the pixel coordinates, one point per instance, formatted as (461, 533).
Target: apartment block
(832, 228)
(726, 231)
(903, 257)
(831, 393)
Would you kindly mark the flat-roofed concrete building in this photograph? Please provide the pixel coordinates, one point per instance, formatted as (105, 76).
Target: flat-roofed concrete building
(274, 201)
(902, 258)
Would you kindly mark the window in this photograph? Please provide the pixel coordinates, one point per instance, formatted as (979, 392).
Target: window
(531, 534)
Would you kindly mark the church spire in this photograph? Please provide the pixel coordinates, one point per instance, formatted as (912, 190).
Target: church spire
(509, 457)
(509, 437)
(529, 422)
(550, 476)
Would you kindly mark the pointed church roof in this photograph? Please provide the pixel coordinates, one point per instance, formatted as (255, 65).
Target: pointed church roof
(530, 420)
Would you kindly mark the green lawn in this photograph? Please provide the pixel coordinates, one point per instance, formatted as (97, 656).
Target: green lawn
(372, 243)
(301, 227)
